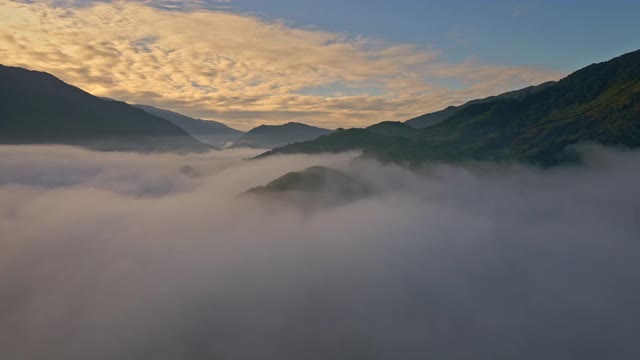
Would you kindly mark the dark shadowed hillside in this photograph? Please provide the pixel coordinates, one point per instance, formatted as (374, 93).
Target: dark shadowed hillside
(439, 116)
(383, 135)
(270, 136)
(38, 108)
(599, 103)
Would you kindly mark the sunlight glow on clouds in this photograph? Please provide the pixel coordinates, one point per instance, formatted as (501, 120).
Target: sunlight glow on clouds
(237, 68)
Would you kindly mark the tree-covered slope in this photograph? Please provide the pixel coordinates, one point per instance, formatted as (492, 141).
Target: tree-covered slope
(383, 135)
(599, 103)
(37, 108)
(312, 187)
(439, 116)
(270, 136)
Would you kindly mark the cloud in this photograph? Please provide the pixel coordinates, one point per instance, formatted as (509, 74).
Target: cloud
(214, 63)
(129, 256)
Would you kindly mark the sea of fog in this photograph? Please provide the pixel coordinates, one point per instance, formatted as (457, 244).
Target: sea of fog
(155, 256)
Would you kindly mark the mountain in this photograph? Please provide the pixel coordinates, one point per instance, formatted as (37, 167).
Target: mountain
(381, 135)
(599, 103)
(393, 129)
(439, 116)
(316, 185)
(211, 132)
(38, 108)
(270, 136)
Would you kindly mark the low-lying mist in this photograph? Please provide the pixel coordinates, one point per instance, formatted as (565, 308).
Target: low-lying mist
(132, 256)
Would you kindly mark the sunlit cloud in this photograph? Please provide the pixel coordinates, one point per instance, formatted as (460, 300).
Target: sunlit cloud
(209, 62)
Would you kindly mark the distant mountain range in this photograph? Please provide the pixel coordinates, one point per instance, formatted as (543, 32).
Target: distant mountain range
(209, 131)
(38, 108)
(221, 135)
(270, 136)
(599, 103)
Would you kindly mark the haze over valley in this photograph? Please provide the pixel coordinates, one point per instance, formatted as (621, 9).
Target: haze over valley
(240, 179)
(129, 256)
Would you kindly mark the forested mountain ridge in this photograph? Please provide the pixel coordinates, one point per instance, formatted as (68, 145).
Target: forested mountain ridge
(439, 116)
(270, 136)
(599, 103)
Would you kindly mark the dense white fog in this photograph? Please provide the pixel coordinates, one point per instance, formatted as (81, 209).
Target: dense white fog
(132, 256)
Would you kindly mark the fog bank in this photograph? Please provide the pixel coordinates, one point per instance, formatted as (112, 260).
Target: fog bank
(131, 256)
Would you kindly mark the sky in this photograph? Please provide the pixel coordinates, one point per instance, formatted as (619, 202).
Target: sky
(327, 63)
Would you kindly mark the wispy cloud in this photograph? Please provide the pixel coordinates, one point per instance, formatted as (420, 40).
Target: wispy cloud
(238, 68)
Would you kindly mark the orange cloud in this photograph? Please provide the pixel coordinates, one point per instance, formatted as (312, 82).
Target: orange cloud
(238, 68)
